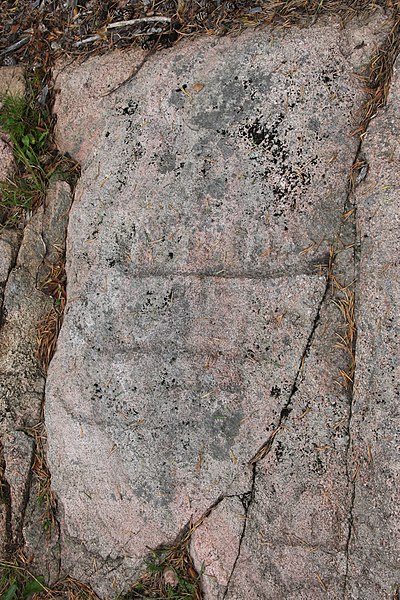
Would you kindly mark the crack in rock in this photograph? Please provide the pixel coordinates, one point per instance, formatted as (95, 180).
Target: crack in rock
(287, 408)
(247, 500)
(5, 497)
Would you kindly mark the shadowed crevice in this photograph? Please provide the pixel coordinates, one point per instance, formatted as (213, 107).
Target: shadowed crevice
(3, 288)
(5, 499)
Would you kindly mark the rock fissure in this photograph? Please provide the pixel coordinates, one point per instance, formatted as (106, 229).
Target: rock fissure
(287, 408)
(380, 79)
(380, 82)
(358, 172)
(12, 265)
(308, 270)
(246, 500)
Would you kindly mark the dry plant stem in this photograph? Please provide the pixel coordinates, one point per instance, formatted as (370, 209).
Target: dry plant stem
(130, 22)
(49, 327)
(346, 305)
(15, 46)
(96, 37)
(379, 76)
(41, 470)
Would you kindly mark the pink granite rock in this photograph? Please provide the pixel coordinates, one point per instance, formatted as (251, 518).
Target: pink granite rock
(198, 316)
(374, 544)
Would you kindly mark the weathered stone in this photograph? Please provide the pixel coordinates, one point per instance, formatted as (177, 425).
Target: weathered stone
(55, 221)
(21, 379)
(41, 537)
(9, 244)
(6, 160)
(18, 455)
(23, 307)
(215, 546)
(374, 549)
(12, 81)
(195, 295)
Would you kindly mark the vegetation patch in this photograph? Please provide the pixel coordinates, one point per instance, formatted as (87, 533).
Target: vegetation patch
(49, 327)
(87, 27)
(26, 128)
(379, 75)
(17, 582)
(27, 124)
(170, 574)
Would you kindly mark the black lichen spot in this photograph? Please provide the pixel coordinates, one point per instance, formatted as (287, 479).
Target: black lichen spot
(279, 451)
(276, 391)
(129, 109)
(257, 132)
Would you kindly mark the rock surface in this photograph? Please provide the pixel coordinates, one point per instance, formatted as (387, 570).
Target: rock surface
(199, 319)
(26, 259)
(21, 381)
(374, 549)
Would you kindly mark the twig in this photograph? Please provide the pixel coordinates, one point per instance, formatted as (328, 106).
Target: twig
(119, 24)
(92, 38)
(15, 46)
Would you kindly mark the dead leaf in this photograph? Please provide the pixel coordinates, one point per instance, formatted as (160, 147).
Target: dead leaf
(197, 87)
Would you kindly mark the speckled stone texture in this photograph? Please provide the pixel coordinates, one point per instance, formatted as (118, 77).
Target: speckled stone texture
(374, 550)
(26, 257)
(199, 317)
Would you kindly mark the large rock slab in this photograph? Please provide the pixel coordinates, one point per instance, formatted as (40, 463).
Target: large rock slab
(374, 549)
(294, 539)
(212, 186)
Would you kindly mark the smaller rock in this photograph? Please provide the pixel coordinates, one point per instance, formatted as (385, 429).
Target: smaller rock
(9, 241)
(55, 222)
(12, 81)
(170, 577)
(17, 449)
(41, 537)
(6, 160)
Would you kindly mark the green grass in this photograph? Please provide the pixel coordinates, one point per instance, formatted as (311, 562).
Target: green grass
(17, 583)
(183, 582)
(26, 127)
